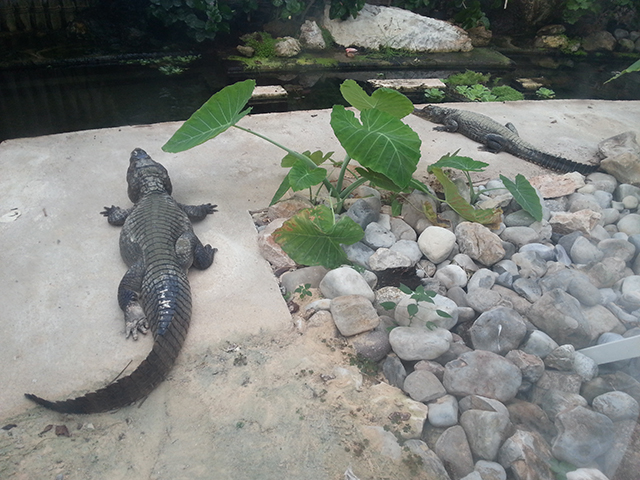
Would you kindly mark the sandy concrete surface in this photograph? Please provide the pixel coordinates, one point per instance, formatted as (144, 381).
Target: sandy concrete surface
(240, 402)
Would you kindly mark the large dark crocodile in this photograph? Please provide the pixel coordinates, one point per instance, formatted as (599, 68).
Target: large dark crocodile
(497, 138)
(158, 243)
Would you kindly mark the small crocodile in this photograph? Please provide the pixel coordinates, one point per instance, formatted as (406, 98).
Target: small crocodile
(158, 244)
(497, 138)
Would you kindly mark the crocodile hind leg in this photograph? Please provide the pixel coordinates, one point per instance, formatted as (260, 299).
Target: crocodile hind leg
(494, 143)
(129, 300)
(512, 127)
(191, 252)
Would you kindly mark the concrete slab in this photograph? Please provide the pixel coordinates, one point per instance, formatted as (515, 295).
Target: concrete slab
(62, 330)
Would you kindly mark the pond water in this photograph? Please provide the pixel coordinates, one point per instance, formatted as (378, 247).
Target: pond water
(61, 98)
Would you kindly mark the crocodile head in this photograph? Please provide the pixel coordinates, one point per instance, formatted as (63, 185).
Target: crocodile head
(146, 175)
(432, 113)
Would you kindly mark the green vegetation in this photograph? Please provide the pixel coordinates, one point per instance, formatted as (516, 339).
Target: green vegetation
(201, 19)
(469, 77)
(263, 44)
(385, 147)
(545, 93)
(476, 93)
(505, 93)
(634, 67)
(434, 95)
(419, 295)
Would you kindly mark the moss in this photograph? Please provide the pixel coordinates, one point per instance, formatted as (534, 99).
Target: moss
(505, 93)
(263, 44)
(467, 78)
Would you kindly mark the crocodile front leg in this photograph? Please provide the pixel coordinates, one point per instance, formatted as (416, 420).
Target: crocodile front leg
(198, 212)
(449, 125)
(116, 215)
(129, 300)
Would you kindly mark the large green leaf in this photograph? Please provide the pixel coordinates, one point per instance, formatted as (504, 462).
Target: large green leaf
(316, 157)
(524, 193)
(488, 216)
(301, 176)
(282, 189)
(385, 99)
(379, 180)
(313, 237)
(466, 164)
(382, 143)
(220, 112)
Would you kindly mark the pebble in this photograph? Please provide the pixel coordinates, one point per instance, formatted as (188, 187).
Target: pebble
(419, 343)
(345, 281)
(498, 330)
(617, 406)
(353, 314)
(436, 243)
(443, 412)
(423, 386)
(479, 243)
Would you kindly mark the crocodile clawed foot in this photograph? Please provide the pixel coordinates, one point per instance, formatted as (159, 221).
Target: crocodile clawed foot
(135, 321)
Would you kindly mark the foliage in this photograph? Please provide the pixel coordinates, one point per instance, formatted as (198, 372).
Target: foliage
(263, 44)
(419, 295)
(202, 19)
(469, 77)
(575, 10)
(303, 290)
(413, 5)
(634, 67)
(476, 93)
(505, 93)
(470, 14)
(288, 8)
(169, 65)
(344, 9)
(545, 93)
(434, 95)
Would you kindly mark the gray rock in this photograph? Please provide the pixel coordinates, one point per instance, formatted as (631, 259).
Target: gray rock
(539, 344)
(604, 181)
(527, 455)
(358, 253)
(583, 290)
(527, 288)
(353, 314)
(430, 366)
(561, 358)
(345, 281)
(443, 412)
(587, 473)
(419, 343)
(423, 386)
(482, 373)
(363, 213)
(451, 276)
(582, 436)
(484, 278)
(427, 313)
(584, 366)
(499, 330)
(303, 276)
(408, 248)
(394, 371)
(607, 272)
(610, 216)
(552, 380)
(585, 252)
(562, 255)
(311, 36)
(436, 243)
(378, 26)
(546, 252)
(603, 199)
(610, 147)
(556, 402)
(384, 258)
(625, 167)
(617, 406)
(287, 47)
(617, 248)
(485, 432)
(581, 201)
(599, 41)
(559, 315)
(453, 449)
(483, 300)
(531, 417)
(431, 464)
(479, 243)
(631, 291)
(531, 366)
(530, 264)
(402, 230)
(520, 236)
(376, 236)
(490, 470)
(465, 262)
(520, 218)
(373, 345)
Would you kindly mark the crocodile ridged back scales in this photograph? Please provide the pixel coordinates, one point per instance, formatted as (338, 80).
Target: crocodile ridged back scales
(477, 126)
(155, 223)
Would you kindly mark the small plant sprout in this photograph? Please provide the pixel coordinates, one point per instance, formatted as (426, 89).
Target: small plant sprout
(303, 290)
(419, 295)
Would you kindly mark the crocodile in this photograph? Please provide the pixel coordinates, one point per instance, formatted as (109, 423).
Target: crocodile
(158, 244)
(497, 138)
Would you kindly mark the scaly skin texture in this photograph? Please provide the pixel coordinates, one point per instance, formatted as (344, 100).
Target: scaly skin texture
(497, 138)
(158, 244)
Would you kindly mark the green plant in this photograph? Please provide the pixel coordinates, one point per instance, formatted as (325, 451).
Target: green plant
(202, 19)
(344, 9)
(476, 93)
(419, 295)
(263, 44)
(469, 77)
(505, 93)
(634, 67)
(470, 14)
(434, 95)
(386, 148)
(545, 93)
(303, 290)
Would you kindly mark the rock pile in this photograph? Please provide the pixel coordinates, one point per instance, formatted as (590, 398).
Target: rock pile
(495, 357)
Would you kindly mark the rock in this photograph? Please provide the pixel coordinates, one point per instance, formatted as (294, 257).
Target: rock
(391, 402)
(363, 213)
(378, 26)
(287, 47)
(245, 51)
(556, 402)
(345, 281)
(599, 41)
(616, 405)
(527, 455)
(408, 248)
(551, 41)
(384, 258)
(311, 36)
(483, 300)
(625, 167)
(373, 345)
(443, 412)
(419, 343)
(358, 253)
(527, 288)
(584, 366)
(561, 358)
(559, 315)
(630, 224)
(382, 442)
(423, 386)
(607, 272)
(499, 330)
(480, 36)
(436, 243)
(585, 252)
(431, 464)
(531, 366)
(303, 276)
(552, 380)
(622, 460)
(270, 250)
(604, 181)
(485, 431)
(583, 290)
(479, 243)
(451, 276)
(586, 474)
(490, 470)
(613, 146)
(532, 418)
(353, 314)
(553, 186)
(453, 449)
(427, 313)
(582, 436)
(567, 222)
(394, 371)
(376, 236)
(482, 373)
(485, 278)
(539, 344)
(402, 230)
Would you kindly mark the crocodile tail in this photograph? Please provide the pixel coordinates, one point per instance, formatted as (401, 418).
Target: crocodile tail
(555, 162)
(126, 390)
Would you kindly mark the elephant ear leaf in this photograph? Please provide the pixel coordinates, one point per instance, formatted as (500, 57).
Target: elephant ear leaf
(524, 193)
(222, 111)
(385, 99)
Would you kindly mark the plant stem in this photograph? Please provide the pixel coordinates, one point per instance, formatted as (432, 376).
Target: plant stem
(343, 169)
(332, 190)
